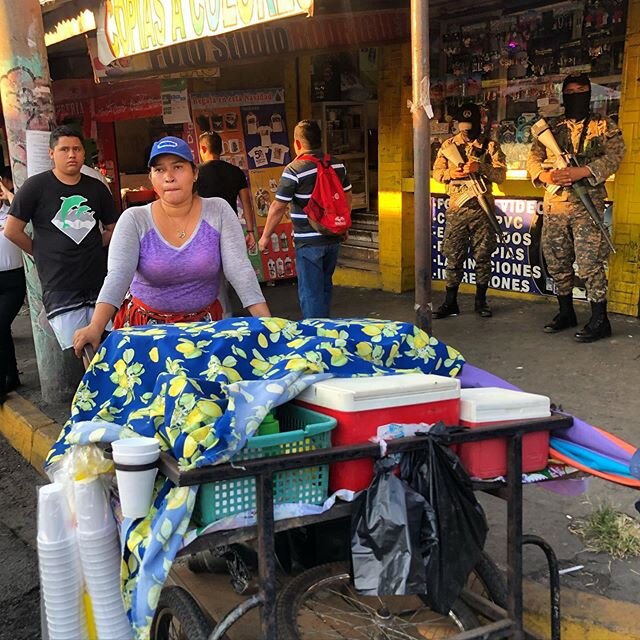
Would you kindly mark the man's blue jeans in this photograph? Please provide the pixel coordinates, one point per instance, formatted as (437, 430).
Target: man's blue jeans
(315, 265)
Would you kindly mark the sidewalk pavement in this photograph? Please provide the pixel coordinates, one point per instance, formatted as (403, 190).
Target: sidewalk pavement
(597, 382)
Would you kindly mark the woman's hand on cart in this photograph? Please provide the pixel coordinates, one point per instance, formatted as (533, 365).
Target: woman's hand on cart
(89, 336)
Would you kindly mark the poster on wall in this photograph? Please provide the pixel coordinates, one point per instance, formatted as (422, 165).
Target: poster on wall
(517, 263)
(38, 159)
(252, 126)
(175, 101)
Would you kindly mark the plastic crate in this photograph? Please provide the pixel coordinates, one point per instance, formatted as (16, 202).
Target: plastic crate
(300, 430)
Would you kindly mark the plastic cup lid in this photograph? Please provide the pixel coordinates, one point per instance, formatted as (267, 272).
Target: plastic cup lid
(135, 445)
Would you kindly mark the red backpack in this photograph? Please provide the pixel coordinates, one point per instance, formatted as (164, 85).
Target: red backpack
(327, 209)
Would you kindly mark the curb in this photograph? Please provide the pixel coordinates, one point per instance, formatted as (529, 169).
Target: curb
(584, 616)
(29, 431)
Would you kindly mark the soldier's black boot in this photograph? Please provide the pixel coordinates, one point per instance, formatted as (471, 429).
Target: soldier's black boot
(598, 326)
(481, 307)
(450, 305)
(565, 318)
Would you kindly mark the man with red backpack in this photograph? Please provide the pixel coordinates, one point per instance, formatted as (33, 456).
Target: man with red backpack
(319, 192)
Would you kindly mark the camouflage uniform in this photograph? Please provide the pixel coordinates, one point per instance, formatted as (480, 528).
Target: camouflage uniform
(568, 234)
(466, 223)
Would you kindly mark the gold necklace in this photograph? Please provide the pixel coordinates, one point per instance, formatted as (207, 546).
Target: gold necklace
(183, 232)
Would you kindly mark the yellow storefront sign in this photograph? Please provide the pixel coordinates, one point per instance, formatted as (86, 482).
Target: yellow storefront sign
(136, 26)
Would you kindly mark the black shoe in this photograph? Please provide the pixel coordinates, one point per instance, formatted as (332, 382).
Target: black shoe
(598, 326)
(483, 309)
(565, 318)
(446, 311)
(561, 322)
(449, 307)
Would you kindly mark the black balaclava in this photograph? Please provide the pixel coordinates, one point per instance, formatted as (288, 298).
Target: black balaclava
(469, 120)
(576, 105)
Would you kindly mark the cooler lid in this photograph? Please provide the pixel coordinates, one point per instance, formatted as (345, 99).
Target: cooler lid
(492, 404)
(377, 392)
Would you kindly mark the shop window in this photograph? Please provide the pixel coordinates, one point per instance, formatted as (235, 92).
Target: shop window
(513, 66)
(134, 139)
(346, 76)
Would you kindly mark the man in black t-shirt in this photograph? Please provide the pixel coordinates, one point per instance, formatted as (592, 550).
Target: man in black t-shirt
(66, 209)
(316, 254)
(220, 179)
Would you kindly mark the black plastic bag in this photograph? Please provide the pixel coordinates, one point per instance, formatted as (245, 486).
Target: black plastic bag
(461, 526)
(392, 532)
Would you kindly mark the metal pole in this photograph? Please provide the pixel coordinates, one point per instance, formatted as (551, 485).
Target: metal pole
(421, 160)
(514, 534)
(266, 555)
(27, 103)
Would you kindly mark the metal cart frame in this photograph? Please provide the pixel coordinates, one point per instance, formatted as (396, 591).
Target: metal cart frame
(503, 624)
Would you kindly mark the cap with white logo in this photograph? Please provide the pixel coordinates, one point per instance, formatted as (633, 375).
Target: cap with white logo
(170, 145)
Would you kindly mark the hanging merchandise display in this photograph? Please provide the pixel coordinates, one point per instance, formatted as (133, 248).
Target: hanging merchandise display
(252, 125)
(514, 65)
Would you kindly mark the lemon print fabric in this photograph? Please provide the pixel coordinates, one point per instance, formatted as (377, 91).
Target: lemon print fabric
(202, 389)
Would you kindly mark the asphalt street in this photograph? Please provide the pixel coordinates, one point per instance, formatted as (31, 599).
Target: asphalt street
(597, 382)
(19, 590)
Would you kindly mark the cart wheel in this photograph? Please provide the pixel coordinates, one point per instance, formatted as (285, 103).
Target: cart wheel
(322, 603)
(179, 617)
(488, 581)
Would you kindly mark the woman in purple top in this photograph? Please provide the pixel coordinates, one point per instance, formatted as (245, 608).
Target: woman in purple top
(170, 255)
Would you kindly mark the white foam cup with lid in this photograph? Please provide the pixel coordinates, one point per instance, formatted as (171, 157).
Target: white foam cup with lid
(136, 469)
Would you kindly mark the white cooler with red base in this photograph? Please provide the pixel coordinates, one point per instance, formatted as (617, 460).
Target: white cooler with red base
(361, 405)
(491, 406)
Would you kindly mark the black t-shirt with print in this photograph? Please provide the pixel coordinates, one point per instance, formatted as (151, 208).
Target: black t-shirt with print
(220, 179)
(67, 241)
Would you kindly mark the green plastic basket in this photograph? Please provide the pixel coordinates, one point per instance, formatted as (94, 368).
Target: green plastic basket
(300, 430)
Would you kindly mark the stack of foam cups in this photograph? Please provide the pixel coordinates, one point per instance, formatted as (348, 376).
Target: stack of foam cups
(136, 468)
(100, 557)
(60, 571)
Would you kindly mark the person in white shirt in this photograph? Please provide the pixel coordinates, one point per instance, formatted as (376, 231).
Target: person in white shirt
(12, 292)
(94, 173)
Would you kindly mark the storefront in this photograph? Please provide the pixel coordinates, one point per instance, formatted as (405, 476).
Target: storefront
(352, 72)
(513, 64)
(265, 78)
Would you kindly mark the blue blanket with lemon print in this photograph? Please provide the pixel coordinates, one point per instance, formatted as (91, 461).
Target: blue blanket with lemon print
(203, 389)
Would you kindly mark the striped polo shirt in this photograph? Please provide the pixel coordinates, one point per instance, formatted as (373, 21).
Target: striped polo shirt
(296, 186)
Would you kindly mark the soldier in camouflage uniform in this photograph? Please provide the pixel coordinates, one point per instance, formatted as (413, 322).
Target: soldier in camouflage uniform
(569, 234)
(467, 225)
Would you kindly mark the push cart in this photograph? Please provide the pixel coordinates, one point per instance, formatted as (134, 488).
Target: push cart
(322, 598)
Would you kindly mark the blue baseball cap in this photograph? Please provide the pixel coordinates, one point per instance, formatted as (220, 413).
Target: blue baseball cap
(172, 145)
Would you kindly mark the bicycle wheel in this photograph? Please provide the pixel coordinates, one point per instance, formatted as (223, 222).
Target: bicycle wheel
(322, 603)
(179, 617)
(488, 581)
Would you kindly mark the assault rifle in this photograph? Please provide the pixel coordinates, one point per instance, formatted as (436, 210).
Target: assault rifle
(477, 189)
(563, 160)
